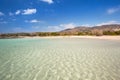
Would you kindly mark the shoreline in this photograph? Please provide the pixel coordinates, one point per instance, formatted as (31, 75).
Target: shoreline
(52, 37)
(87, 37)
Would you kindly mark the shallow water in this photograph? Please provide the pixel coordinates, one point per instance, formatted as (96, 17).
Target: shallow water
(59, 59)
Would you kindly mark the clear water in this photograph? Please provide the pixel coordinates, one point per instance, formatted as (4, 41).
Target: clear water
(59, 59)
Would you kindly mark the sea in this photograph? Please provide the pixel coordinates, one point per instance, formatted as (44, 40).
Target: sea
(59, 59)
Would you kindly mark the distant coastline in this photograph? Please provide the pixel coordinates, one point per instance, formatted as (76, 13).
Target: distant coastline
(95, 31)
(82, 37)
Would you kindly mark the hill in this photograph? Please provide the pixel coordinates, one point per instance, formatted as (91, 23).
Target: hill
(96, 30)
(113, 29)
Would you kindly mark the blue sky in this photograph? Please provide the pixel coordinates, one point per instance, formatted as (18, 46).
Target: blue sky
(56, 15)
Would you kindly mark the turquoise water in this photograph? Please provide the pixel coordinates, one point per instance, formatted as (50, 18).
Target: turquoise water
(59, 59)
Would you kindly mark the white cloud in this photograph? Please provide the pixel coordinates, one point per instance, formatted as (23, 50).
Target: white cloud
(113, 10)
(33, 21)
(54, 28)
(17, 12)
(48, 1)
(86, 25)
(61, 27)
(11, 14)
(108, 23)
(29, 11)
(1, 14)
(66, 26)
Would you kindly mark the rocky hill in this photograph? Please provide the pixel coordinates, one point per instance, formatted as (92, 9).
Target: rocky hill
(81, 30)
(113, 27)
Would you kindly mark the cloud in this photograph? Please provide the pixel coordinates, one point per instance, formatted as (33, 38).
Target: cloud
(17, 12)
(66, 26)
(113, 10)
(11, 14)
(35, 27)
(29, 11)
(85, 25)
(33, 21)
(61, 27)
(1, 14)
(108, 23)
(54, 28)
(48, 1)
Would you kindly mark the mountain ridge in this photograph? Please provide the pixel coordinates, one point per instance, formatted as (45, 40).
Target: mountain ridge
(113, 29)
(102, 27)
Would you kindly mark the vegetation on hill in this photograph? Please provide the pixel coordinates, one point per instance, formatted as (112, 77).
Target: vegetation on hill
(77, 31)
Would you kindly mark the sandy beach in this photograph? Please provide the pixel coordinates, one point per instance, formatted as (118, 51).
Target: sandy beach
(90, 37)
(100, 37)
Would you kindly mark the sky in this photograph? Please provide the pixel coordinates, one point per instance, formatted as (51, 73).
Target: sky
(56, 15)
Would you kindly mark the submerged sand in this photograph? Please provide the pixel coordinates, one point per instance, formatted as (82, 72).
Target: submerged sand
(59, 59)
